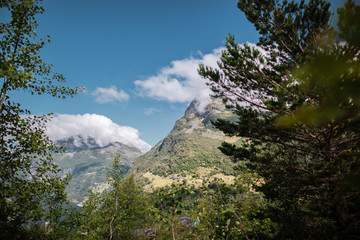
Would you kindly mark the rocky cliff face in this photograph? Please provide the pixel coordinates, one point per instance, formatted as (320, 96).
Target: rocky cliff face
(88, 163)
(192, 144)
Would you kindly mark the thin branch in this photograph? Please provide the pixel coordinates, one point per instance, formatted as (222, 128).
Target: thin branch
(287, 35)
(273, 82)
(246, 100)
(3, 94)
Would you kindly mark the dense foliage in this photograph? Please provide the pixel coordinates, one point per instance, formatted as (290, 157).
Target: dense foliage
(115, 213)
(31, 189)
(296, 96)
(214, 210)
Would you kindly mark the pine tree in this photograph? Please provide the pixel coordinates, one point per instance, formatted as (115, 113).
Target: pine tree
(296, 95)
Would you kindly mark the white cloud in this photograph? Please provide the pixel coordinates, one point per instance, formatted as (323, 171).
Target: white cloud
(107, 95)
(180, 82)
(150, 111)
(99, 127)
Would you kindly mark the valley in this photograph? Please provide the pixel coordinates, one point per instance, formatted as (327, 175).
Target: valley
(88, 163)
(189, 152)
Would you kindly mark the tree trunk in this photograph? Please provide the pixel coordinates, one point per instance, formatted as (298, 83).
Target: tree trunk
(3, 94)
(172, 230)
(111, 232)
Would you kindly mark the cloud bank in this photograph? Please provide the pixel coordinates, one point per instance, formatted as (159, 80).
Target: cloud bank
(99, 127)
(111, 94)
(180, 81)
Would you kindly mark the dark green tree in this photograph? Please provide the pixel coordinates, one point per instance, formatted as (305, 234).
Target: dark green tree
(296, 95)
(31, 188)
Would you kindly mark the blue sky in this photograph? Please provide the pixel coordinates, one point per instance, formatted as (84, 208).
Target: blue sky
(136, 59)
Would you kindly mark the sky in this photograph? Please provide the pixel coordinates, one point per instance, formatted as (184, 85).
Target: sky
(136, 59)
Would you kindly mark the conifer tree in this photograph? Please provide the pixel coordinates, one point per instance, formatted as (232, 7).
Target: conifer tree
(296, 95)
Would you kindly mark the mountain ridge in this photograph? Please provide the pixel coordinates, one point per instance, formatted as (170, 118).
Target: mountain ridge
(192, 144)
(190, 147)
(89, 163)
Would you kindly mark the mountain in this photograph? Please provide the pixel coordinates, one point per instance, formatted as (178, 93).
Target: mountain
(88, 163)
(78, 143)
(190, 148)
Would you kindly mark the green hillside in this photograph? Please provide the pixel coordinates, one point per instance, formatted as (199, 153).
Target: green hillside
(89, 163)
(191, 145)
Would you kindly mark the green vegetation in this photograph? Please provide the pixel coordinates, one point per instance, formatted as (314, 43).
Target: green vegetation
(294, 141)
(88, 167)
(169, 204)
(182, 210)
(302, 114)
(31, 188)
(115, 213)
(191, 144)
(213, 210)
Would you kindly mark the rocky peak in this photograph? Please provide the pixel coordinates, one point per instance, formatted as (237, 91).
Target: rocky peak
(215, 105)
(118, 145)
(78, 143)
(191, 144)
(195, 118)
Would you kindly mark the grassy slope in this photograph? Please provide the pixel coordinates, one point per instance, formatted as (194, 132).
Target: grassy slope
(190, 147)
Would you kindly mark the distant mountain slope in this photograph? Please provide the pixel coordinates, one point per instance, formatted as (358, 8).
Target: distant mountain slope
(88, 163)
(192, 144)
(78, 143)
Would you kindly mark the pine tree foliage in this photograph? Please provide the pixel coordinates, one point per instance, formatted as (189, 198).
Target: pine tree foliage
(296, 95)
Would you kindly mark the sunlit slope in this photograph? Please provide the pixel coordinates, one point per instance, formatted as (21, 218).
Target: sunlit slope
(190, 146)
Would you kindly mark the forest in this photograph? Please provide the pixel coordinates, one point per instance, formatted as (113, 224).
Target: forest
(297, 103)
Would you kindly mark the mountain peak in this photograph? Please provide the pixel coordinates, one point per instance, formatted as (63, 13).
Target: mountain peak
(198, 116)
(202, 108)
(119, 145)
(192, 143)
(78, 143)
